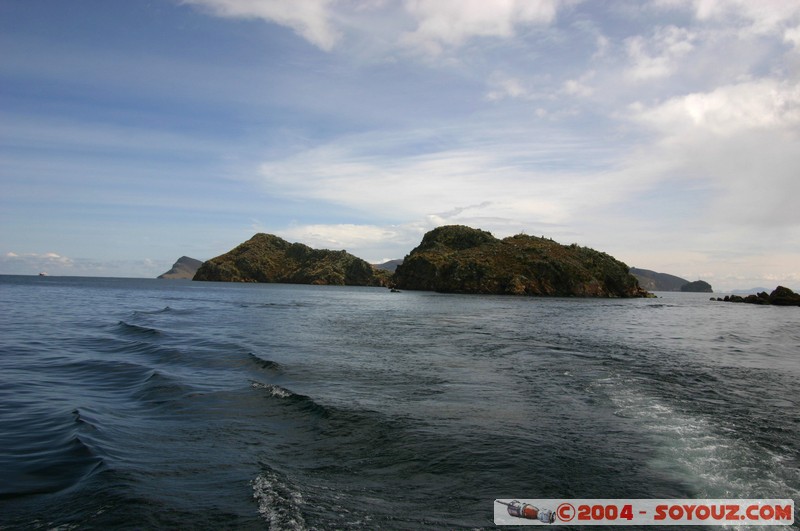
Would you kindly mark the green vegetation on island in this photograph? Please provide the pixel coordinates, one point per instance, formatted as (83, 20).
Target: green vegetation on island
(268, 258)
(459, 259)
(698, 286)
(454, 259)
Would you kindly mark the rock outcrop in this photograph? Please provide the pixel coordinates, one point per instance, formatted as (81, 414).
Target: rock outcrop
(459, 259)
(184, 268)
(780, 296)
(268, 258)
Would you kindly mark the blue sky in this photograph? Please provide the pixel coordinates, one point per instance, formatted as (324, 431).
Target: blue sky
(664, 132)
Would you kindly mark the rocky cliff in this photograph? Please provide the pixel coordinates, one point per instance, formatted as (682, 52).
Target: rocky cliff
(268, 258)
(461, 259)
(184, 268)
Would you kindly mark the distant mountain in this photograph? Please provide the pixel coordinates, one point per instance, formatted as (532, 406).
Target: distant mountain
(184, 268)
(268, 258)
(391, 265)
(459, 259)
(652, 281)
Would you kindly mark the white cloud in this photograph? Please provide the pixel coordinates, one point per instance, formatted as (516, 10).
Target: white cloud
(412, 187)
(659, 55)
(603, 45)
(792, 35)
(504, 181)
(438, 24)
(310, 19)
(503, 86)
(745, 17)
(742, 141)
(449, 23)
(579, 87)
(340, 235)
(55, 264)
(32, 263)
(374, 243)
(763, 104)
(39, 257)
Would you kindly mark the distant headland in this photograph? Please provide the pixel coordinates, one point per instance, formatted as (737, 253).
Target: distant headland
(652, 281)
(452, 259)
(184, 268)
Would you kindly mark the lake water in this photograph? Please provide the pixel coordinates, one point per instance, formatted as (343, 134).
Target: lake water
(137, 403)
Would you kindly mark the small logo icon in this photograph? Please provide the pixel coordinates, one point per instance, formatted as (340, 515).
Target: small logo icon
(565, 512)
(528, 511)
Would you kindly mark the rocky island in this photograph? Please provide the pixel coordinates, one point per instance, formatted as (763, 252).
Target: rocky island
(184, 268)
(780, 296)
(268, 258)
(459, 259)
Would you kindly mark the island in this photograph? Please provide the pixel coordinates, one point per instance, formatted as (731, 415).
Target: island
(460, 259)
(698, 286)
(269, 258)
(780, 296)
(184, 268)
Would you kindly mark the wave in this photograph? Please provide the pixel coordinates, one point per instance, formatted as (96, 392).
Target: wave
(160, 388)
(137, 330)
(278, 501)
(165, 309)
(272, 366)
(106, 375)
(274, 390)
(301, 403)
(54, 454)
(715, 460)
(275, 305)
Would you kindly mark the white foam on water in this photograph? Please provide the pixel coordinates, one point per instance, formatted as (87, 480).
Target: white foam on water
(278, 503)
(713, 459)
(274, 390)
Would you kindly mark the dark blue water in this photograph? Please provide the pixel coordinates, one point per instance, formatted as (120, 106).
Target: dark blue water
(171, 404)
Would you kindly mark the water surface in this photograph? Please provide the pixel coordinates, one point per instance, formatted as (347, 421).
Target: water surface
(133, 403)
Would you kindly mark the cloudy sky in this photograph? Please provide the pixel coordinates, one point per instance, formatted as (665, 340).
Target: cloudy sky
(664, 132)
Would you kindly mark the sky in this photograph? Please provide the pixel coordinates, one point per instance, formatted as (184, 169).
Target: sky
(663, 132)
